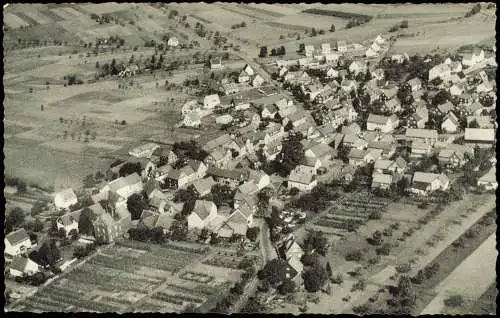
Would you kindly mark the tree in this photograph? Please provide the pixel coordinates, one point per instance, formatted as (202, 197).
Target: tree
(85, 222)
(287, 287)
(474, 124)
(454, 301)
(179, 230)
(282, 50)
(274, 272)
(38, 225)
(136, 204)
(14, 219)
(222, 194)
(315, 277)
(332, 28)
(252, 233)
(263, 51)
(404, 297)
(292, 154)
(129, 168)
(317, 242)
(49, 253)
(313, 32)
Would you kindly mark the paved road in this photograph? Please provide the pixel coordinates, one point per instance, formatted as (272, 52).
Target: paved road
(470, 279)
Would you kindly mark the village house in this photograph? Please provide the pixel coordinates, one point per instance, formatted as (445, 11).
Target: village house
(420, 149)
(320, 151)
(211, 101)
(457, 89)
(349, 85)
(445, 108)
(378, 74)
(203, 212)
(229, 88)
(482, 137)
(356, 157)
(442, 71)
(257, 81)
(22, 266)
(388, 148)
(272, 149)
(473, 109)
(354, 142)
(357, 67)
(269, 111)
(423, 183)
(192, 120)
(331, 73)
(484, 87)
(144, 151)
(384, 124)
(415, 84)
(65, 198)
(420, 117)
(216, 64)
(451, 158)
(489, 180)
(158, 201)
(292, 253)
(224, 119)
(219, 157)
(471, 59)
(389, 93)
(399, 58)
(428, 135)
(228, 176)
(173, 42)
(236, 224)
(381, 181)
(391, 167)
(481, 121)
(107, 227)
(163, 154)
(450, 123)
(302, 178)
(119, 190)
(309, 50)
(17, 242)
(178, 178)
(190, 106)
(68, 222)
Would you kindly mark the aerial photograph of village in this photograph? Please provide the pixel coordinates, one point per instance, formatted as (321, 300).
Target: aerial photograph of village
(264, 158)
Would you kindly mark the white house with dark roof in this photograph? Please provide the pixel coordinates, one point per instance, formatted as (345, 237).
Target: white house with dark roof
(23, 266)
(384, 124)
(65, 198)
(302, 178)
(424, 182)
(68, 222)
(203, 212)
(489, 180)
(483, 137)
(211, 101)
(450, 123)
(17, 242)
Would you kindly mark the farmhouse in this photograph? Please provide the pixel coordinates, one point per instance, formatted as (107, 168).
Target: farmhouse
(190, 106)
(423, 183)
(203, 212)
(107, 229)
(257, 81)
(236, 224)
(17, 242)
(23, 266)
(302, 178)
(65, 198)
(211, 101)
(384, 124)
(68, 222)
(144, 151)
(381, 181)
(483, 137)
(450, 123)
(173, 42)
(177, 178)
(489, 180)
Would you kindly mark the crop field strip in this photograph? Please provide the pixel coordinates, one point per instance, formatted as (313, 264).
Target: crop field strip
(260, 10)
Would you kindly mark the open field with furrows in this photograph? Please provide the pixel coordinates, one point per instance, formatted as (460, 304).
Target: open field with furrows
(135, 276)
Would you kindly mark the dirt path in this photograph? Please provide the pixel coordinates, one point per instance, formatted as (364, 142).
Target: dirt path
(477, 270)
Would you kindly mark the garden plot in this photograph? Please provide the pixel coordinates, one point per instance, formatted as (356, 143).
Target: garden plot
(309, 21)
(107, 7)
(223, 17)
(104, 31)
(62, 13)
(275, 9)
(14, 21)
(39, 17)
(73, 11)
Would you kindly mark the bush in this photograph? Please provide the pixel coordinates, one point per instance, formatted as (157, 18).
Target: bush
(403, 268)
(359, 285)
(337, 279)
(431, 270)
(471, 233)
(419, 278)
(384, 249)
(374, 260)
(454, 301)
(387, 231)
(375, 215)
(423, 205)
(458, 243)
(355, 256)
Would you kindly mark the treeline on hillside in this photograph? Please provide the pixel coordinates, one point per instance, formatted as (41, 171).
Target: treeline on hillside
(340, 14)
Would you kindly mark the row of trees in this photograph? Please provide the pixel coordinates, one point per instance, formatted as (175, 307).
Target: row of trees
(274, 51)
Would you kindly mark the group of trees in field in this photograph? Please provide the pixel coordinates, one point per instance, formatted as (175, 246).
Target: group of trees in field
(274, 51)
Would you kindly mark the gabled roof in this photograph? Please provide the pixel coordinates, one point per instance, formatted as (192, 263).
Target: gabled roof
(248, 187)
(66, 195)
(446, 107)
(204, 185)
(17, 236)
(163, 151)
(202, 208)
(421, 133)
(234, 174)
(68, 218)
(382, 178)
(271, 108)
(451, 116)
(164, 221)
(211, 99)
(377, 119)
(320, 150)
(400, 162)
(302, 174)
(414, 81)
(425, 177)
(483, 121)
(383, 164)
(480, 134)
(356, 154)
(216, 142)
(490, 176)
(123, 182)
(19, 263)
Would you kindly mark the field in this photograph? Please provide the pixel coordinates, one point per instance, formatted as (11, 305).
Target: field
(134, 276)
